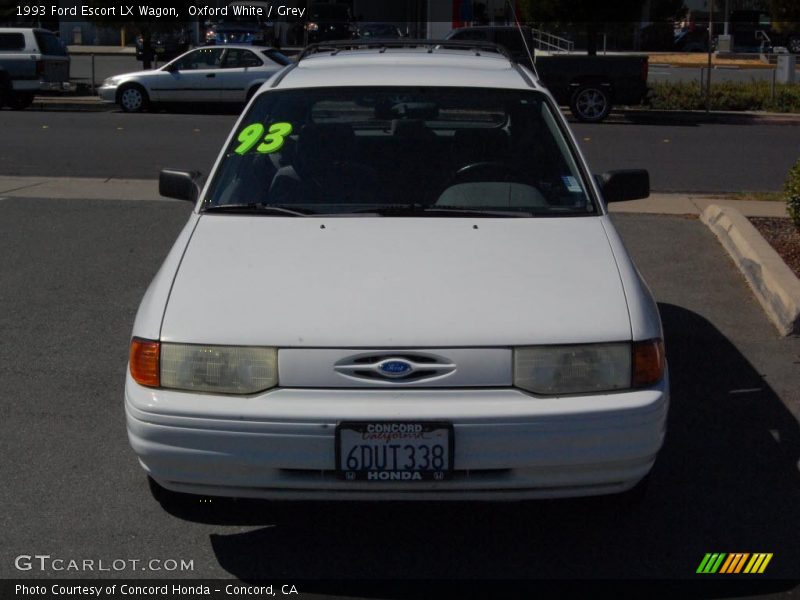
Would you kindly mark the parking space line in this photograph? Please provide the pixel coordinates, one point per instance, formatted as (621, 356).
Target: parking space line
(24, 187)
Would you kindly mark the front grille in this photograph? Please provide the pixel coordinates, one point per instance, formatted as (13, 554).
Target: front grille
(416, 376)
(397, 368)
(419, 358)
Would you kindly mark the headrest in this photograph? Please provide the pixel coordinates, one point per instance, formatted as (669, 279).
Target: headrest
(331, 140)
(411, 129)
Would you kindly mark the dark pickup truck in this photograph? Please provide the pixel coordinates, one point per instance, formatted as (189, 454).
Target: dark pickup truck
(590, 85)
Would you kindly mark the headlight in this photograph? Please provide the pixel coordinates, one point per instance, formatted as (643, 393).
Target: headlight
(588, 368)
(554, 370)
(312, 26)
(219, 369)
(111, 82)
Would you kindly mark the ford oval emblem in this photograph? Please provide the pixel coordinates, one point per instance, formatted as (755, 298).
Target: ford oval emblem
(395, 368)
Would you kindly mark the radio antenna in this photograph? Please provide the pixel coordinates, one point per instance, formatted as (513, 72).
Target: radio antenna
(528, 49)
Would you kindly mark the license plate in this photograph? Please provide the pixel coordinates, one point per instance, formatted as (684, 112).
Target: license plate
(394, 451)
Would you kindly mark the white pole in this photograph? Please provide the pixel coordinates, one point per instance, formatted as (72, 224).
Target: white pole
(727, 18)
(710, 38)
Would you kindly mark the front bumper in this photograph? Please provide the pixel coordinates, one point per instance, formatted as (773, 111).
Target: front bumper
(108, 93)
(41, 86)
(508, 444)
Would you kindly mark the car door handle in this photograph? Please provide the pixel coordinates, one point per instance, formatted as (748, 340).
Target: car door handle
(211, 75)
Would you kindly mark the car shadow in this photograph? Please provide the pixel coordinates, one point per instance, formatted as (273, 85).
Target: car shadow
(726, 481)
(199, 108)
(642, 117)
(187, 108)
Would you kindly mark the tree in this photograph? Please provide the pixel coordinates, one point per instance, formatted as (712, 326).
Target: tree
(785, 13)
(591, 15)
(666, 10)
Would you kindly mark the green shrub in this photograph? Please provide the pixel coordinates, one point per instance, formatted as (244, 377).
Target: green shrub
(792, 191)
(729, 95)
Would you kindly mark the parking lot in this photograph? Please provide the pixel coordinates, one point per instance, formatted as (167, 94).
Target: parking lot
(72, 275)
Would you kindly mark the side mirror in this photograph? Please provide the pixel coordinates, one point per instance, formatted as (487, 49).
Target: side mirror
(180, 185)
(630, 184)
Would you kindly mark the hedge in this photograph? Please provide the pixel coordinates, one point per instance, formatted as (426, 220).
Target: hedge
(755, 95)
(792, 193)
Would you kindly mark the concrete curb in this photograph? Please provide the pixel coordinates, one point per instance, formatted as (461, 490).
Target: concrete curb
(774, 284)
(101, 50)
(79, 104)
(79, 188)
(696, 117)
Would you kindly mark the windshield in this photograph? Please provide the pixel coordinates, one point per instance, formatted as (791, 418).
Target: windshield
(379, 30)
(49, 43)
(343, 150)
(278, 57)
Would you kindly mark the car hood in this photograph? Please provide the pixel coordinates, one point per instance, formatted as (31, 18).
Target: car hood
(396, 282)
(134, 74)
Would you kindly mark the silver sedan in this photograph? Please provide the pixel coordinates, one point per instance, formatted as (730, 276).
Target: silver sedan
(209, 74)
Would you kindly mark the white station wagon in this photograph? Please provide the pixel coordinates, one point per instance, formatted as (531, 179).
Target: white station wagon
(400, 281)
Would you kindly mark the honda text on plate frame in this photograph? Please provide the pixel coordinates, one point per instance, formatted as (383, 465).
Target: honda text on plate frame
(399, 282)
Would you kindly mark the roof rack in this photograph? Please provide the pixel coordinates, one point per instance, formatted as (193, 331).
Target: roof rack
(335, 47)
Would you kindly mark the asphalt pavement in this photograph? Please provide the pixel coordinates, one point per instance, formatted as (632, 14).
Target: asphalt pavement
(687, 157)
(73, 272)
(695, 157)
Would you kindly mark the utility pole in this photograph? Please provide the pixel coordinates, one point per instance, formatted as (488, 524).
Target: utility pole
(710, 53)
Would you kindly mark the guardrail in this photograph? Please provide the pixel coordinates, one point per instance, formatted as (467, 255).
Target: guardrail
(552, 43)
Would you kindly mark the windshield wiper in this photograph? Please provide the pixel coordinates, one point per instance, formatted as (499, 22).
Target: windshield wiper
(475, 212)
(401, 210)
(255, 209)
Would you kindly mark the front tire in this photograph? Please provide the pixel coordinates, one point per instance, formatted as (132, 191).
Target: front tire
(5, 89)
(133, 98)
(20, 100)
(591, 103)
(794, 44)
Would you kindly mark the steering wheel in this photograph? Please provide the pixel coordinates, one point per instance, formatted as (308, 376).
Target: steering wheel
(482, 171)
(486, 171)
